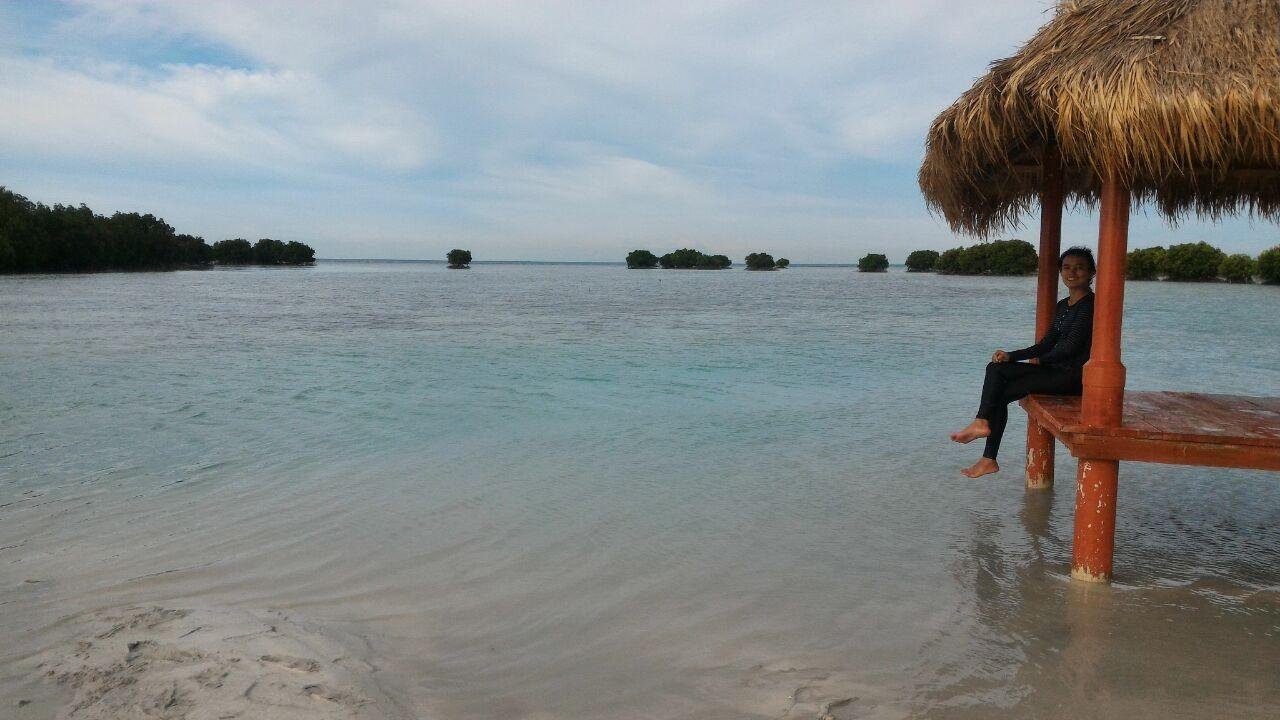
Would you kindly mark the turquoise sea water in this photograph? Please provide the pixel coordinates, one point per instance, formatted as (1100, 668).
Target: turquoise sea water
(581, 491)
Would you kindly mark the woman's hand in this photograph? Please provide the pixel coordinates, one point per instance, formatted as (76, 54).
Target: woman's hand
(999, 356)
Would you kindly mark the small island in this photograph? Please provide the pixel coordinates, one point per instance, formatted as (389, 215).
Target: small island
(264, 252)
(765, 261)
(873, 262)
(682, 259)
(458, 259)
(641, 260)
(999, 257)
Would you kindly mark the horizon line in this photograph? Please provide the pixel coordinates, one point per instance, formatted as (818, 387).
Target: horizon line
(546, 262)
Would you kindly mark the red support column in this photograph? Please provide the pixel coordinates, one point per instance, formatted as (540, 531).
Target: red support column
(1095, 530)
(1104, 374)
(1103, 400)
(1040, 441)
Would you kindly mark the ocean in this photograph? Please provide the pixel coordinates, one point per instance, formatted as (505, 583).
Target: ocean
(568, 491)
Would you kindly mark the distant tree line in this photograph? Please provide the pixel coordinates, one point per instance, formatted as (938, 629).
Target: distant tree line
(999, 257)
(1201, 262)
(682, 259)
(1197, 261)
(264, 252)
(689, 259)
(35, 237)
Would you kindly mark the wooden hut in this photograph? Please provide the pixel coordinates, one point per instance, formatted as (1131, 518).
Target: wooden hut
(1175, 103)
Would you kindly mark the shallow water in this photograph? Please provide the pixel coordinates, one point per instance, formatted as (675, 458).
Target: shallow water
(571, 491)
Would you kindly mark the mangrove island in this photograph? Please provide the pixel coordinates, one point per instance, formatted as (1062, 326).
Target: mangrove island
(36, 238)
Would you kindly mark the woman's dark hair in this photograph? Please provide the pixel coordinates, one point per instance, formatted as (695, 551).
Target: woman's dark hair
(1080, 252)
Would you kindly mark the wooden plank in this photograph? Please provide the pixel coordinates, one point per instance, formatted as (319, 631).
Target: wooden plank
(1040, 408)
(1250, 417)
(1141, 411)
(1238, 417)
(1175, 416)
(1221, 410)
(1166, 427)
(1174, 453)
(1186, 416)
(1270, 404)
(1183, 419)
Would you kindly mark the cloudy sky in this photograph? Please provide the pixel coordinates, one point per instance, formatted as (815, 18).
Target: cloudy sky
(522, 130)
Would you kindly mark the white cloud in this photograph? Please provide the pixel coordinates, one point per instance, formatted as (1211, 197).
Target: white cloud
(276, 121)
(595, 180)
(548, 125)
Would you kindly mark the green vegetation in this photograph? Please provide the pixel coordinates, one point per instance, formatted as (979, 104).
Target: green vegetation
(949, 261)
(1000, 257)
(760, 261)
(1238, 268)
(37, 238)
(1192, 262)
(458, 259)
(690, 259)
(1269, 265)
(233, 252)
(273, 252)
(997, 258)
(873, 262)
(922, 261)
(1145, 263)
(641, 260)
(782, 263)
(264, 252)
(682, 259)
(1201, 261)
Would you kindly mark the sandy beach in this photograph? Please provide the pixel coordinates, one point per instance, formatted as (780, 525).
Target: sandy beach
(187, 663)
(201, 664)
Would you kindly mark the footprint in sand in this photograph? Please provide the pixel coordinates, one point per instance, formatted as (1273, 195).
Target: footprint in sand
(341, 697)
(293, 663)
(147, 619)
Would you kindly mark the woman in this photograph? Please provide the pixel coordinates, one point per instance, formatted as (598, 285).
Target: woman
(1062, 353)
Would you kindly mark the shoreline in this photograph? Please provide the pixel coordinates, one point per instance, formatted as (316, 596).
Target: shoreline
(179, 661)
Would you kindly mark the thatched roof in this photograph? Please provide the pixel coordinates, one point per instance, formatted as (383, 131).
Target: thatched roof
(1179, 98)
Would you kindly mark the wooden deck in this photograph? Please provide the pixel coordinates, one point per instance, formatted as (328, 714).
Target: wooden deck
(1170, 427)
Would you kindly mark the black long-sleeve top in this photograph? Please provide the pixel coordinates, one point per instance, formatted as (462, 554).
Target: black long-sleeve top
(1067, 343)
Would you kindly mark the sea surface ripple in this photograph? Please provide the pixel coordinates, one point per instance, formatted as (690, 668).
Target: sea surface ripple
(566, 491)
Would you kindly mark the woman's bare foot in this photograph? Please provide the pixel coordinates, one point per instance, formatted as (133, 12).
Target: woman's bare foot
(984, 466)
(979, 428)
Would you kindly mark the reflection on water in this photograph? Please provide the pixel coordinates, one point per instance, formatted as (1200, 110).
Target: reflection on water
(568, 491)
(1154, 644)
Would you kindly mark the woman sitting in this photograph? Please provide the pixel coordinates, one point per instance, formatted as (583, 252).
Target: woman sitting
(1062, 353)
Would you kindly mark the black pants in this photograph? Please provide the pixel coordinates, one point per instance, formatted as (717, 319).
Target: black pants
(1010, 381)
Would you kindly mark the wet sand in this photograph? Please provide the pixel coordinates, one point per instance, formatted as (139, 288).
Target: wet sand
(185, 663)
(179, 663)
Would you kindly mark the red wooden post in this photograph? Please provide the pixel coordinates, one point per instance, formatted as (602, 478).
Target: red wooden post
(1095, 531)
(1040, 441)
(1104, 374)
(1103, 399)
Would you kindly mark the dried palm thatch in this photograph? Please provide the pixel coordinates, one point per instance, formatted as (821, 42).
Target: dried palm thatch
(1178, 98)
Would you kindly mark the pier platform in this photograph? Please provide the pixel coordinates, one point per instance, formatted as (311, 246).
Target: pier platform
(1180, 428)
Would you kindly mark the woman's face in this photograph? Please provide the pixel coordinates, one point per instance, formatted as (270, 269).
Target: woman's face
(1075, 272)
